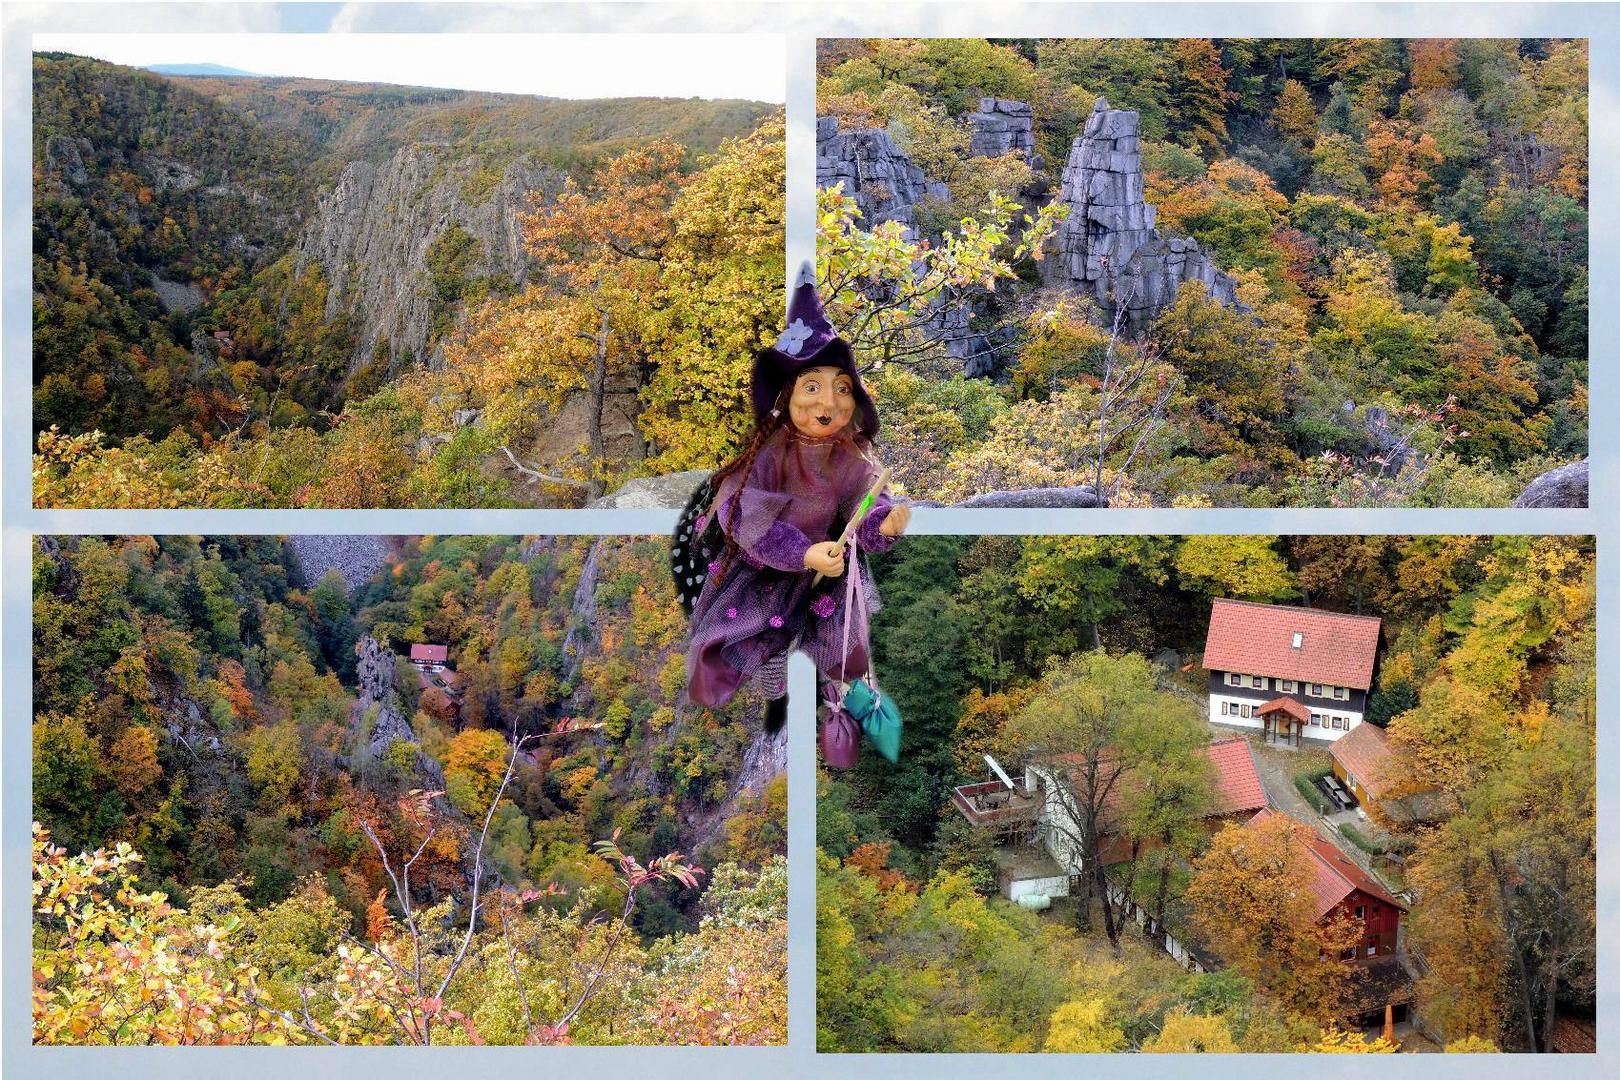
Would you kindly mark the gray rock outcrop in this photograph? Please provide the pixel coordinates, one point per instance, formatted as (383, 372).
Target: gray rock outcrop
(1108, 246)
(356, 558)
(654, 492)
(582, 629)
(1565, 486)
(874, 171)
(372, 232)
(378, 699)
(1001, 126)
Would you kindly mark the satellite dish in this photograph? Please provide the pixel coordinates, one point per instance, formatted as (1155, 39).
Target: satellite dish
(1001, 774)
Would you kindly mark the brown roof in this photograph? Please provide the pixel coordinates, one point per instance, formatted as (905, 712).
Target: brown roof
(1257, 639)
(1237, 785)
(1337, 875)
(430, 653)
(1364, 752)
(1296, 709)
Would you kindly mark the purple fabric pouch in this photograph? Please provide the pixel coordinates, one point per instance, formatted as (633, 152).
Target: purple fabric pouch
(840, 737)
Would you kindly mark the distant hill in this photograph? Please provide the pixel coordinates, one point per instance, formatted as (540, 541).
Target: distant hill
(199, 69)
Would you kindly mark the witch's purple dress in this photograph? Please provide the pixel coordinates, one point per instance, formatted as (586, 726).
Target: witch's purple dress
(800, 491)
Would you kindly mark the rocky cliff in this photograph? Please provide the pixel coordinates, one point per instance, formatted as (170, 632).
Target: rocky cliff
(1109, 246)
(374, 237)
(883, 181)
(1001, 126)
(378, 701)
(355, 558)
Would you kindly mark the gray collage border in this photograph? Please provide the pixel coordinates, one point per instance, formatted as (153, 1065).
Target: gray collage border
(799, 23)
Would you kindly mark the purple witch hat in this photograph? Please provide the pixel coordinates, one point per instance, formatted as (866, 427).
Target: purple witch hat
(809, 341)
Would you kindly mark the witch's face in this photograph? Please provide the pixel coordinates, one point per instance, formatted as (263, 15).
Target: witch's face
(823, 401)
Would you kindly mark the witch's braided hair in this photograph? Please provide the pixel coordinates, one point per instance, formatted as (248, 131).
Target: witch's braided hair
(744, 463)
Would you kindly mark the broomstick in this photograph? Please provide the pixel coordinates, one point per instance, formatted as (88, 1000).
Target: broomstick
(855, 519)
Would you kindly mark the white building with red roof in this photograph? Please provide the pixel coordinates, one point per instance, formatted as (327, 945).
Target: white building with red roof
(1291, 672)
(1034, 826)
(427, 657)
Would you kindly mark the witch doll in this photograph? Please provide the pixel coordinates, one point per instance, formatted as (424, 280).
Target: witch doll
(757, 555)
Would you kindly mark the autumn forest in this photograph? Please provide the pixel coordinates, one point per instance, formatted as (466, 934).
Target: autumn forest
(458, 799)
(295, 293)
(1081, 661)
(1345, 272)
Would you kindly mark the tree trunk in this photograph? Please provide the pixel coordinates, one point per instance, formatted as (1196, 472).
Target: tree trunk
(1550, 1003)
(597, 388)
(1096, 636)
(1161, 897)
(1107, 906)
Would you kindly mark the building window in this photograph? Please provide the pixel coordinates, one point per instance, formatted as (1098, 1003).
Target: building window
(1226, 708)
(1348, 954)
(1338, 723)
(1340, 694)
(1233, 679)
(1287, 686)
(1316, 719)
(1246, 712)
(1257, 681)
(1361, 911)
(1316, 689)
(1372, 948)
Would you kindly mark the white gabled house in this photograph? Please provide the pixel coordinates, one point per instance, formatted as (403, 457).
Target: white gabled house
(1288, 671)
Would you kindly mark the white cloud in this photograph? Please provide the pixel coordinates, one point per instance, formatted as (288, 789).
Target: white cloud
(749, 66)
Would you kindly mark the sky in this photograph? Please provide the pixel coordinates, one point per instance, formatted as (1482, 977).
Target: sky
(748, 66)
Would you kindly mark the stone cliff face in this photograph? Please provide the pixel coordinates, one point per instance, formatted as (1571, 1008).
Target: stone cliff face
(1001, 126)
(882, 179)
(371, 236)
(1109, 246)
(374, 673)
(356, 558)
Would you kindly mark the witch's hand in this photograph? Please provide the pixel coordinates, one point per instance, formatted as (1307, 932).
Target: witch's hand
(895, 522)
(826, 558)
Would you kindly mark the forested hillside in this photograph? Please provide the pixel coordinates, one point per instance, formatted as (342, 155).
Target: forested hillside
(1485, 687)
(271, 760)
(242, 285)
(1396, 311)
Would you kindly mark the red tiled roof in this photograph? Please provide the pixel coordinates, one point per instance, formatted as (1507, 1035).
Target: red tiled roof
(1365, 753)
(1237, 785)
(430, 653)
(1337, 876)
(1293, 708)
(1257, 639)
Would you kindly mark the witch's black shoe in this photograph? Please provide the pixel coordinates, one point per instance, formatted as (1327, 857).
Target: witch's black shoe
(775, 714)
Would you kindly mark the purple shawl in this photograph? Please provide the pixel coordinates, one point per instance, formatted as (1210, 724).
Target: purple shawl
(799, 492)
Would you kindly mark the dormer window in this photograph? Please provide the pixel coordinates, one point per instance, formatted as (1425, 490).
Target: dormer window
(1234, 679)
(1299, 639)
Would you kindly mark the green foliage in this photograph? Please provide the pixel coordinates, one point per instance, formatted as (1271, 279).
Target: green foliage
(1305, 784)
(1354, 835)
(1415, 213)
(188, 703)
